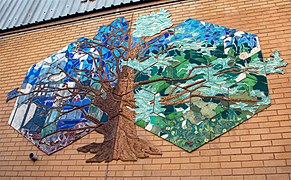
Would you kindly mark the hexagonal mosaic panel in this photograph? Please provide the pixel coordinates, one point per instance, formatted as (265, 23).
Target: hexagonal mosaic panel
(210, 79)
(45, 109)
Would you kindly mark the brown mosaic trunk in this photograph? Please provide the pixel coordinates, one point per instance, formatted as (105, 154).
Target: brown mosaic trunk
(121, 141)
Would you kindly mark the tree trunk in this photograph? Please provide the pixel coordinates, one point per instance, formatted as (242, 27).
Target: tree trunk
(103, 151)
(120, 137)
(128, 146)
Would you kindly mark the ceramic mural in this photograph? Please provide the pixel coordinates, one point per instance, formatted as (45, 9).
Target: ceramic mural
(192, 82)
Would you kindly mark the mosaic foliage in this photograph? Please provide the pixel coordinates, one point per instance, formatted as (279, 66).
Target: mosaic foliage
(272, 65)
(39, 115)
(188, 84)
(150, 25)
(210, 80)
(55, 106)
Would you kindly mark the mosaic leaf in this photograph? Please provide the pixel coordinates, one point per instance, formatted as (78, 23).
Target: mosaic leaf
(273, 65)
(149, 25)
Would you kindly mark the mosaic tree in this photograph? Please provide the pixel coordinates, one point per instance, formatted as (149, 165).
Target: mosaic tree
(188, 84)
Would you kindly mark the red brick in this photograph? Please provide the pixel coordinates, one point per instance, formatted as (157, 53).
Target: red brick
(181, 173)
(209, 165)
(180, 160)
(230, 151)
(283, 155)
(273, 149)
(220, 158)
(278, 142)
(243, 171)
(221, 172)
(265, 170)
(284, 169)
(241, 157)
(275, 163)
(277, 176)
(232, 178)
(252, 164)
(250, 138)
(173, 166)
(255, 177)
(251, 150)
(262, 156)
(230, 164)
(200, 172)
(200, 159)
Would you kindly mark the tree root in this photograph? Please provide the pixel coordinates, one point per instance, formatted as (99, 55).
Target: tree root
(126, 149)
(103, 152)
(131, 149)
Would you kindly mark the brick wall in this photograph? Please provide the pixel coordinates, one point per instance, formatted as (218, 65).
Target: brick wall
(257, 149)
